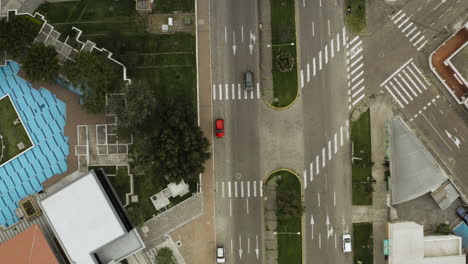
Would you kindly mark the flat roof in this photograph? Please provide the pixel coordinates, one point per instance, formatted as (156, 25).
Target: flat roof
(28, 247)
(83, 218)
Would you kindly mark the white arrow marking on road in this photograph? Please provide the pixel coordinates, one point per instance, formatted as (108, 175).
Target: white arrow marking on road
(240, 247)
(455, 140)
(257, 251)
(234, 47)
(318, 199)
(252, 41)
(330, 232)
(327, 222)
(312, 225)
(305, 179)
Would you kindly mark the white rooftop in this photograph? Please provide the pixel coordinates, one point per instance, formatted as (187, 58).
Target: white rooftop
(409, 246)
(83, 218)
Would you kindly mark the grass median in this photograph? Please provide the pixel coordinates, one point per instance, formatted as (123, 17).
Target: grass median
(289, 214)
(283, 38)
(356, 17)
(363, 243)
(362, 160)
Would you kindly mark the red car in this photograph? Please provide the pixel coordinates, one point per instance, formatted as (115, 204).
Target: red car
(219, 128)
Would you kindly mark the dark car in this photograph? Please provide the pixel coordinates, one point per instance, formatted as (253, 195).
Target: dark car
(461, 212)
(219, 128)
(248, 81)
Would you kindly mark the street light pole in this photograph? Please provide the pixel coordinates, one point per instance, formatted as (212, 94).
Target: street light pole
(279, 45)
(286, 233)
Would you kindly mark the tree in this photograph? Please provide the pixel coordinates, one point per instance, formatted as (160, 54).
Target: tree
(17, 35)
(41, 63)
(284, 62)
(165, 256)
(443, 229)
(289, 203)
(96, 76)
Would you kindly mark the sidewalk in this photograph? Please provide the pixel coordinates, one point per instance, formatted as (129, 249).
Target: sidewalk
(266, 76)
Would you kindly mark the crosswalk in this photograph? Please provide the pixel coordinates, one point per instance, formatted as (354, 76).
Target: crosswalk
(324, 56)
(239, 189)
(406, 83)
(355, 71)
(326, 154)
(224, 92)
(408, 28)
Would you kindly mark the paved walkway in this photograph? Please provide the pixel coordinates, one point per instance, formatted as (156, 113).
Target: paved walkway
(266, 75)
(271, 243)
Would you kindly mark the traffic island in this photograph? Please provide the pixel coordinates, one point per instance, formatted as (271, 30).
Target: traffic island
(361, 160)
(283, 215)
(355, 15)
(283, 53)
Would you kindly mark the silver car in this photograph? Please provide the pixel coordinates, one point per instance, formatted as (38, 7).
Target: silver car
(220, 258)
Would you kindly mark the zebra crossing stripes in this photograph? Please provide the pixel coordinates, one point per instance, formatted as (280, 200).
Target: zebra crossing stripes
(225, 92)
(409, 29)
(355, 72)
(239, 189)
(405, 84)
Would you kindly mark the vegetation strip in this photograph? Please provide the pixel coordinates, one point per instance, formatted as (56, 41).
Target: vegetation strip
(356, 17)
(362, 160)
(283, 49)
(289, 214)
(363, 243)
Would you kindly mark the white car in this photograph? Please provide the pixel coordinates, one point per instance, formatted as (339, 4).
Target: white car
(220, 258)
(347, 243)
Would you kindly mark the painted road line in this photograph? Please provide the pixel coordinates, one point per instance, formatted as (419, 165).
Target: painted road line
(396, 72)
(230, 207)
(344, 36)
(357, 84)
(404, 22)
(402, 88)
(329, 150)
(347, 129)
(214, 91)
(320, 60)
(336, 142)
(235, 189)
(341, 136)
(407, 84)
(358, 92)
(394, 97)
(329, 27)
(227, 91)
(356, 61)
(248, 188)
(326, 54)
(222, 189)
(398, 92)
(414, 36)
(318, 199)
(305, 179)
(258, 90)
(229, 189)
(359, 99)
(422, 45)
(225, 34)
(417, 78)
(255, 188)
(317, 166)
(239, 91)
(313, 29)
(411, 80)
(220, 92)
(313, 67)
(419, 40)
(353, 40)
(311, 169)
(245, 94)
(323, 157)
(308, 72)
(398, 19)
(261, 188)
(302, 78)
(411, 31)
(338, 42)
(399, 12)
(247, 205)
(357, 76)
(332, 49)
(320, 241)
(357, 68)
(242, 188)
(356, 53)
(407, 26)
(242, 33)
(252, 95)
(233, 90)
(320, 3)
(420, 73)
(334, 198)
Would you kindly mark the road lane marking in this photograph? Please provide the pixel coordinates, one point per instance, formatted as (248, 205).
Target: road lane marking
(245, 94)
(353, 40)
(220, 91)
(357, 68)
(323, 157)
(357, 84)
(334, 198)
(313, 29)
(336, 142)
(251, 95)
(320, 60)
(302, 78)
(326, 54)
(225, 34)
(329, 27)
(419, 40)
(317, 166)
(344, 36)
(222, 189)
(335, 240)
(258, 90)
(313, 67)
(399, 12)
(422, 45)
(329, 150)
(214, 91)
(242, 33)
(396, 72)
(412, 81)
(305, 179)
(407, 85)
(411, 31)
(359, 99)
(347, 129)
(248, 245)
(227, 91)
(437, 132)
(248, 188)
(230, 207)
(341, 136)
(235, 189)
(311, 168)
(247, 205)
(404, 90)
(242, 189)
(414, 36)
(407, 26)
(261, 188)
(308, 72)
(404, 21)
(229, 189)
(232, 247)
(394, 97)
(332, 48)
(338, 42)
(255, 188)
(358, 91)
(318, 199)
(420, 73)
(239, 90)
(398, 92)
(320, 240)
(233, 90)
(402, 16)
(357, 76)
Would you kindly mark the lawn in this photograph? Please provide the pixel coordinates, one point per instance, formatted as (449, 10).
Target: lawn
(283, 32)
(121, 183)
(169, 6)
(362, 167)
(356, 20)
(11, 134)
(363, 240)
(289, 245)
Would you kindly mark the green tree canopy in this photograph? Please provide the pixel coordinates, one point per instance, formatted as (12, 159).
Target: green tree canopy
(289, 203)
(41, 63)
(96, 76)
(165, 256)
(17, 35)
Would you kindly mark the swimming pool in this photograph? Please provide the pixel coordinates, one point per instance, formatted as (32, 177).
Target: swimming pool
(44, 117)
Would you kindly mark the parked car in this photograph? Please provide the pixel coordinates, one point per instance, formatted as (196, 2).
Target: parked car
(462, 213)
(347, 243)
(219, 128)
(248, 81)
(220, 258)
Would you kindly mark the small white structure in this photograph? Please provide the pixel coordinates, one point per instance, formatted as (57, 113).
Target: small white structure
(89, 226)
(161, 199)
(170, 22)
(408, 245)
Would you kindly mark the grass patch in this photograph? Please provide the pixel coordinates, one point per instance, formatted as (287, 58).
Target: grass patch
(362, 169)
(363, 243)
(12, 134)
(289, 245)
(283, 32)
(110, 170)
(356, 20)
(169, 6)
(121, 183)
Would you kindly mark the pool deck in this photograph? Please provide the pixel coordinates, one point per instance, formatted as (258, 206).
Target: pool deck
(76, 115)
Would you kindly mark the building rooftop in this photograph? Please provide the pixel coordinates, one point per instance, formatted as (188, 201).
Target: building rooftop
(84, 218)
(28, 247)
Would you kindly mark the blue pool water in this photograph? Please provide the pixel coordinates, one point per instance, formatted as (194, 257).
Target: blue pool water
(44, 117)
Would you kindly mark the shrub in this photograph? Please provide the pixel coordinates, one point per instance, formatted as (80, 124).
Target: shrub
(284, 62)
